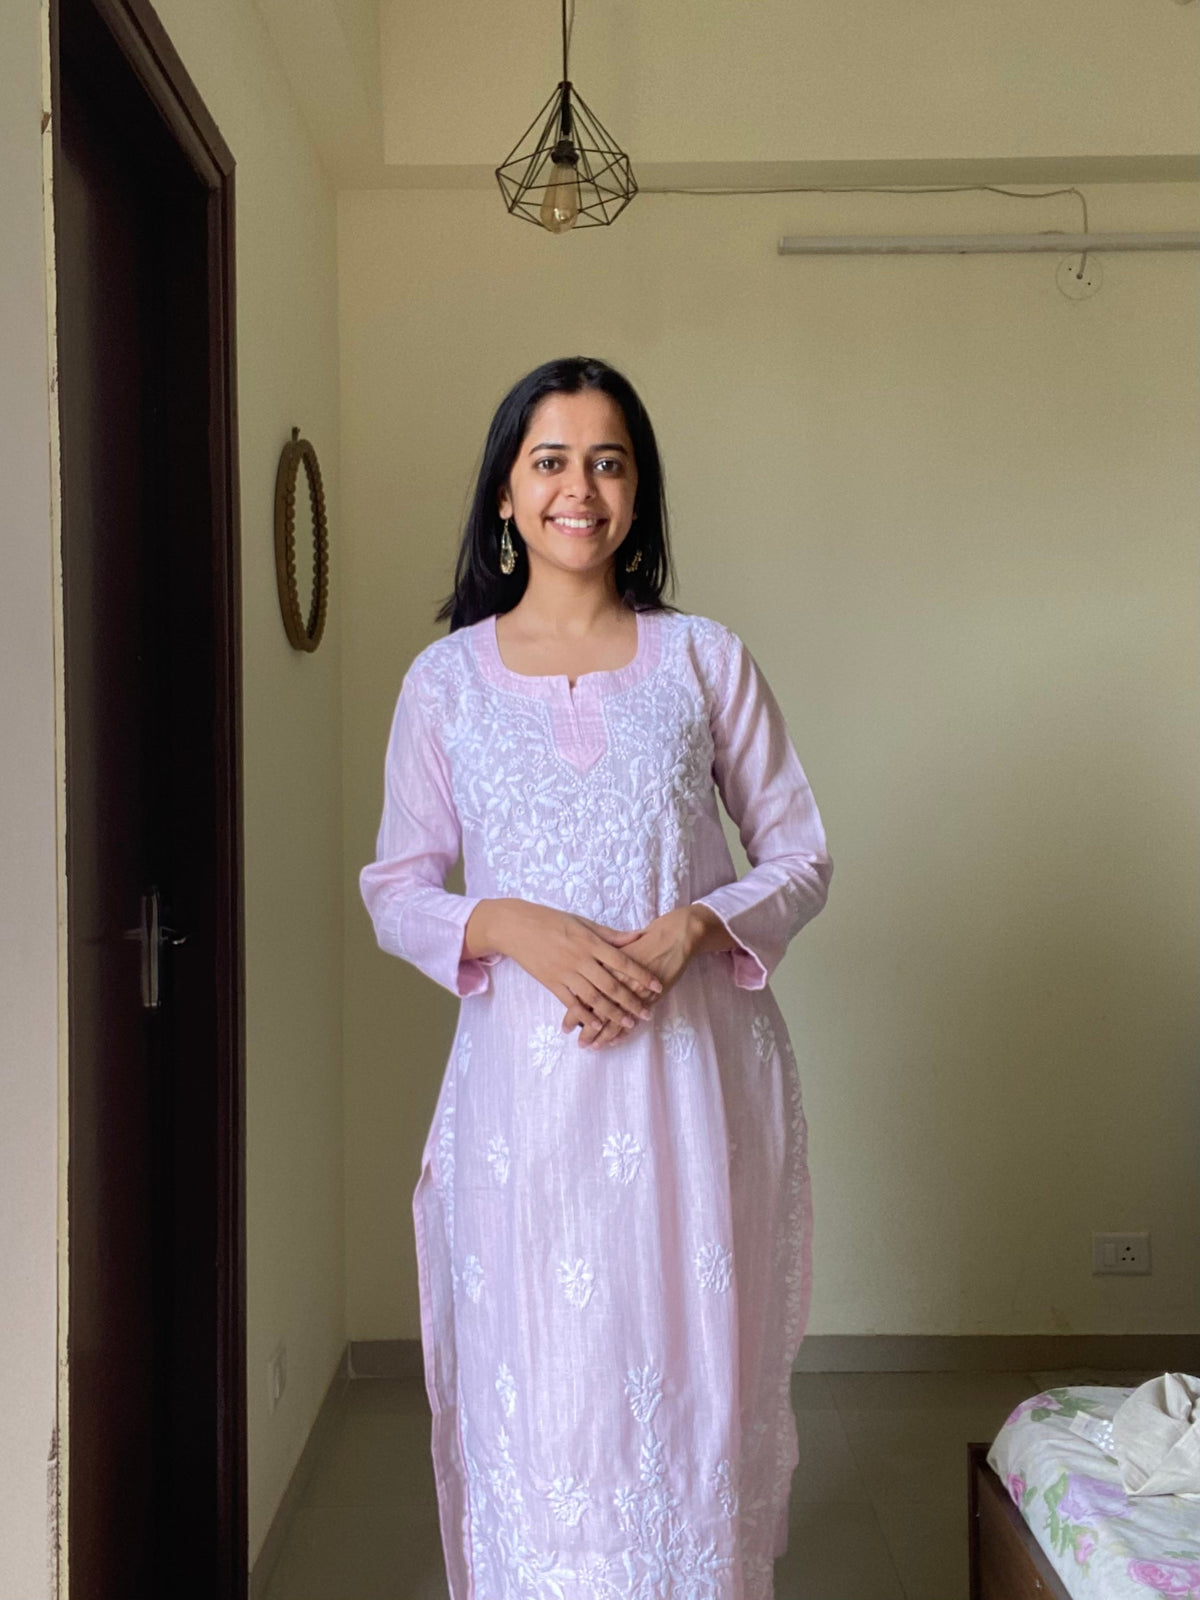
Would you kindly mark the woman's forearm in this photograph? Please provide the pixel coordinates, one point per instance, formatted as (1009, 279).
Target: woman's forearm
(480, 932)
(485, 931)
(708, 931)
(490, 925)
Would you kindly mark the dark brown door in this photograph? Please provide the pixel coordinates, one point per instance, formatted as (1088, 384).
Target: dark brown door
(155, 1254)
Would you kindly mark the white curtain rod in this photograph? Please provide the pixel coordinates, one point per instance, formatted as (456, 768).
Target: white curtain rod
(966, 244)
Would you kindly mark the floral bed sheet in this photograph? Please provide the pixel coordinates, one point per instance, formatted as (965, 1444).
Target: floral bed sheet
(1055, 1456)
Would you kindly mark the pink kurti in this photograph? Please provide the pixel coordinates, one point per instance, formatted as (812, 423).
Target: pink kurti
(614, 1246)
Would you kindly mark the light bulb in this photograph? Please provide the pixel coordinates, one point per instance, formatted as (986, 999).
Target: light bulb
(560, 205)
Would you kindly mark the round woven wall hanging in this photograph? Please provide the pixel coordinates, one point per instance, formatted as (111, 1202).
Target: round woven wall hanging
(304, 634)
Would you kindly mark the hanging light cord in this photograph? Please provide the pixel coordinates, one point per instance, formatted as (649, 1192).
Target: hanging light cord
(567, 28)
(564, 121)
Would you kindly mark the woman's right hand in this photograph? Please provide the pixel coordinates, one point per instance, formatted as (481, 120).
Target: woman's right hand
(573, 957)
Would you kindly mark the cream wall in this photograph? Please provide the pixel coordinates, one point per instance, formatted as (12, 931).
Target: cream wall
(954, 514)
(28, 827)
(776, 81)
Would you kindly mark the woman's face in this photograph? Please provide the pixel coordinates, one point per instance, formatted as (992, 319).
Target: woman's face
(576, 463)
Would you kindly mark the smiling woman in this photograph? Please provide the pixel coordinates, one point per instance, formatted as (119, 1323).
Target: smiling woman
(570, 443)
(572, 496)
(614, 1252)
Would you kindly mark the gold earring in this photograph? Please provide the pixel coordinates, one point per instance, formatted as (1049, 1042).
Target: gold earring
(508, 556)
(632, 566)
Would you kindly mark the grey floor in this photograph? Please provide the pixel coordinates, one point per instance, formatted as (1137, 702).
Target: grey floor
(878, 1507)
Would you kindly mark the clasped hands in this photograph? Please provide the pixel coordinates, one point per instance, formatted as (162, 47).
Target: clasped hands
(607, 978)
(607, 1000)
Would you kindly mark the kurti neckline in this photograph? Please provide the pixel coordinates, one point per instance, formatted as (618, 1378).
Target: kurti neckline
(552, 685)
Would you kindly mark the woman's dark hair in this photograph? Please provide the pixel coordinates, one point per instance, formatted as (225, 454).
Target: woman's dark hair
(480, 588)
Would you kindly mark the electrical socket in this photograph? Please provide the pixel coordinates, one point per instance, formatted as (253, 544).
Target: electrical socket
(276, 1376)
(1120, 1252)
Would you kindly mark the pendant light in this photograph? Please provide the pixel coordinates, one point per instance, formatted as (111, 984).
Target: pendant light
(574, 175)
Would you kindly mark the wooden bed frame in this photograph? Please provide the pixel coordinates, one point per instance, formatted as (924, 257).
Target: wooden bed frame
(1006, 1561)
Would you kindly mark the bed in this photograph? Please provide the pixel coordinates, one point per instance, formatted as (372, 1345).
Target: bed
(1049, 1517)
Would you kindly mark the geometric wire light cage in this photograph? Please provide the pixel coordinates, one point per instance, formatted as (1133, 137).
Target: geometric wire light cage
(573, 175)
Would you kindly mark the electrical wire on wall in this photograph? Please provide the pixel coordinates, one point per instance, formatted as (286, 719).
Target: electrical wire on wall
(854, 188)
(1075, 278)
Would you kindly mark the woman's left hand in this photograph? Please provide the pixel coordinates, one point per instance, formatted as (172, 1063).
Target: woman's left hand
(665, 946)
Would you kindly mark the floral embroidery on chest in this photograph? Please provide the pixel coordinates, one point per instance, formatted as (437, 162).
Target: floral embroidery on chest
(609, 841)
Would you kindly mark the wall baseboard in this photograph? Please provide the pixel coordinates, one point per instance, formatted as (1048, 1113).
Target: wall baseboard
(829, 1352)
(999, 1352)
(836, 1352)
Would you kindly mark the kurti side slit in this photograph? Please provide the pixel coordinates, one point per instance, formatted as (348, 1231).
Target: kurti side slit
(614, 1246)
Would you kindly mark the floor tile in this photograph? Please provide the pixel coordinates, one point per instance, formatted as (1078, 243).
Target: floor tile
(359, 1553)
(379, 1459)
(836, 1552)
(388, 1394)
(915, 1456)
(826, 1469)
(811, 1392)
(927, 1541)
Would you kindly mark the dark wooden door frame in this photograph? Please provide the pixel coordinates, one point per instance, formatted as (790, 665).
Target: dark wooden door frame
(145, 47)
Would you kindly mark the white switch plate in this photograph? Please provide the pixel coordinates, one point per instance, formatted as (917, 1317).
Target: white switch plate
(276, 1376)
(1120, 1252)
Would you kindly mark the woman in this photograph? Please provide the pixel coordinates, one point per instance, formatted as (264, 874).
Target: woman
(613, 1220)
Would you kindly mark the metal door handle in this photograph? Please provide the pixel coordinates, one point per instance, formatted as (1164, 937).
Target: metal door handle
(152, 935)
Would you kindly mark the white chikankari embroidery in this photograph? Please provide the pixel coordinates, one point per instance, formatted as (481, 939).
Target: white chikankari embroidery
(714, 1267)
(547, 1046)
(568, 1499)
(576, 1279)
(526, 1570)
(667, 1556)
(612, 839)
(722, 1482)
(462, 1053)
(472, 1277)
(764, 1036)
(623, 1156)
(599, 1576)
(443, 1158)
(679, 1039)
(445, 1147)
(498, 1157)
(643, 1386)
(506, 1388)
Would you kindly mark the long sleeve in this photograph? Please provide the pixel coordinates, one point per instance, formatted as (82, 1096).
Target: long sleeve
(767, 795)
(419, 838)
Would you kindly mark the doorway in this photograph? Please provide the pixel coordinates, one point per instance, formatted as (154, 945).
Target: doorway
(144, 255)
